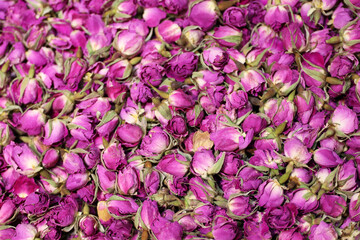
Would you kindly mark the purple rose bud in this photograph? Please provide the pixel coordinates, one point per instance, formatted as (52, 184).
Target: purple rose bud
(318, 42)
(203, 14)
(232, 163)
(293, 38)
(295, 149)
(181, 66)
(152, 182)
(127, 9)
(106, 179)
(250, 177)
(346, 61)
(120, 229)
(282, 217)
(154, 143)
(21, 158)
(280, 111)
(345, 120)
(7, 209)
(17, 55)
(128, 181)
(73, 163)
(149, 212)
(64, 214)
(237, 99)
(7, 233)
(327, 158)
(313, 67)
(107, 127)
(351, 37)
(192, 38)
(88, 225)
(24, 186)
(252, 81)
(178, 186)
(255, 12)
(36, 203)
(35, 58)
(87, 193)
(129, 134)
(32, 122)
(175, 6)
(332, 205)
(25, 231)
(169, 31)
(301, 175)
(254, 122)
(227, 36)
(341, 16)
(354, 210)
(81, 128)
(94, 105)
(216, 58)
(113, 156)
(55, 132)
(153, 16)
(164, 229)
(286, 78)
(92, 158)
(118, 69)
(235, 17)
(305, 200)
(270, 194)
(140, 93)
(25, 91)
(226, 139)
(151, 73)
(125, 206)
(276, 16)
(202, 191)
(256, 230)
(265, 158)
(177, 127)
(239, 205)
(174, 164)
(323, 231)
(202, 162)
(128, 43)
(76, 181)
(75, 70)
(180, 99)
(290, 234)
(305, 105)
(347, 176)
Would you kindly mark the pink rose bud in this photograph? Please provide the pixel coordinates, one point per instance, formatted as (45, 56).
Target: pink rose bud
(252, 81)
(354, 209)
(254, 122)
(280, 111)
(50, 158)
(128, 181)
(282, 217)
(295, 149)
(129, 134)
(201, 189)
(25, 231)
(313, 69)
(7, 233)
(290, 234)
(226, 139)
(345, 120)
(32, 122)
(204, 14)
(119, 69)
(304, 103)
(351, 37)
(73, 163)
(174, 164)
(323, 231)
(227, 36)
(17, 55)
(216, 58)
(128, 43)
(25, 91)
(154, 143)
(36, 37)
(152, 182)
(332, 205)
(180, 99)
(81, 128)
(7, 209)
(304, 199)
(192, 38)
(347, 176)
(108, 124)
(327, 158)
(175, 6)
(21, 158)
(122, 207)
(149, 212)
(35, 58)
(165, 229)
(270, 194)
(55, 132)
(75, 69)
(107, 179)
(181, 66)
(276, 16)
(169, 31)
(76, 181)
(94, 105)
(239, 205)
(125, 10)
(153, 16)
(202, 162)
(232, 163)
(88, 225)
(293, 38)
(299, 175)
(113, 156)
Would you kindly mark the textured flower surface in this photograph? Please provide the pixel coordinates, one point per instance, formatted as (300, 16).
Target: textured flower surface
(179, 119)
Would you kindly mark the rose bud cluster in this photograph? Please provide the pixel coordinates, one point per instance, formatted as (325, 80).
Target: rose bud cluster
(179, 119)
